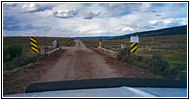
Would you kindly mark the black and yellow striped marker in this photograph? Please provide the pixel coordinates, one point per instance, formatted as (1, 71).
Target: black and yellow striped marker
(34, 45)
(133, 47)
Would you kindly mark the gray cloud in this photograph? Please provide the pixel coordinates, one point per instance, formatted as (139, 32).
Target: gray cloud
(34, 7)
(65, 13)
(91, 15)
(170, 22)
(9, 5)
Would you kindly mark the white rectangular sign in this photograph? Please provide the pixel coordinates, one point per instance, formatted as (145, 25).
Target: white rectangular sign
(54, 43)
(134, 39)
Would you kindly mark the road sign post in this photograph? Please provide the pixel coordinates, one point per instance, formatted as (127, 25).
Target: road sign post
(33, 44)
(134, 40)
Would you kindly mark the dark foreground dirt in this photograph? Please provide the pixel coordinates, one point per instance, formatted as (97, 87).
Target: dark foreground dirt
(74, 63)
(16, 81)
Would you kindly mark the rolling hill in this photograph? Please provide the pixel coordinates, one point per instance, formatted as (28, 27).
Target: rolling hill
(180, 30)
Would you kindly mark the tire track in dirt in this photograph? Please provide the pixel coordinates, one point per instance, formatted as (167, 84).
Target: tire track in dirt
(77, 63)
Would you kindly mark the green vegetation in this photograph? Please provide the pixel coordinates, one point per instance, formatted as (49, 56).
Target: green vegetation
(12, 57)
(21, 61)
(17, 51)
(156, 64)
(172, 48)
(41, 41)
(12, 52)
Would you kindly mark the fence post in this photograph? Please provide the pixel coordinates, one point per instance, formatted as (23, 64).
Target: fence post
(100, 42)
(122, 46)
(42, 50)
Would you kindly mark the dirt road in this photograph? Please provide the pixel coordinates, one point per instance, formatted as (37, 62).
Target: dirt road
(80, 62)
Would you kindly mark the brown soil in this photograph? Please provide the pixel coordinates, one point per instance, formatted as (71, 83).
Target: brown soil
(74, 63)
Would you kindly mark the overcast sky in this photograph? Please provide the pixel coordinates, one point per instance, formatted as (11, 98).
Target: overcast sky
(89, 19)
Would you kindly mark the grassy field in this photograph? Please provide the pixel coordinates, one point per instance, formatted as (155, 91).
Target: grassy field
(41, 41)
(173, 48)
(90, 43)
(114, 45)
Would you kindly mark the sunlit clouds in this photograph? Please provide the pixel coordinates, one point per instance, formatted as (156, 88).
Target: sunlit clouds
(89, 19)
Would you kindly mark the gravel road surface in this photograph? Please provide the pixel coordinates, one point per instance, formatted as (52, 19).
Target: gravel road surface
(80, 62)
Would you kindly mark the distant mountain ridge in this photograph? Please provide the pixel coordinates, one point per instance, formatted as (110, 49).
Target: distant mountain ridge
(95, 37)
(179, 30)
(161, 32)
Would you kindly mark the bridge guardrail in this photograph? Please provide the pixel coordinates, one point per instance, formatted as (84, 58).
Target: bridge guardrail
(107, 52)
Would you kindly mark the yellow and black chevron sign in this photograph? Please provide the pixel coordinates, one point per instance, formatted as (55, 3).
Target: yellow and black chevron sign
(34, 45)
(133, 47)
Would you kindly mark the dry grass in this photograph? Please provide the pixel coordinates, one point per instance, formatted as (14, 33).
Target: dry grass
(173, 48)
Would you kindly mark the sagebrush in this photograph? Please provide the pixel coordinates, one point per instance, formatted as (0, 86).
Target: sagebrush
(157, 64)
